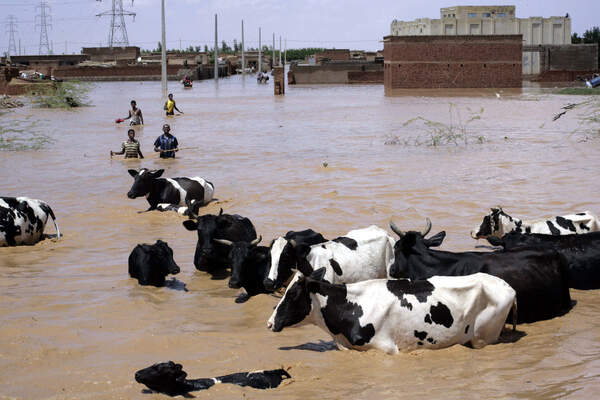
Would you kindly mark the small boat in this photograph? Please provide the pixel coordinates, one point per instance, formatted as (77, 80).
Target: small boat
(187, 84)
(594, 82)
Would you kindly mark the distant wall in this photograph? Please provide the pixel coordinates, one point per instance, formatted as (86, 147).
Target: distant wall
(582, 57)
(128, 72)
(103, 54)
(470, 61)
(336, 73)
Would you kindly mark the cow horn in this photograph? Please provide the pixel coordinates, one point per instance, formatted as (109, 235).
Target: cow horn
(256, 241)
(427, 227)
(293, 243)
(396, 230)
(221, 212)
(224, 241)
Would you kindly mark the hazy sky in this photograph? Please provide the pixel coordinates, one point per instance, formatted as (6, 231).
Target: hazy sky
(355, 24)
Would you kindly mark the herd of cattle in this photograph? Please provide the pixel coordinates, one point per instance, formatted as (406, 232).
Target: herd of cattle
(367, 288)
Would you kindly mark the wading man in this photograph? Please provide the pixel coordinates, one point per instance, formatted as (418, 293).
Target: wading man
(166, 143)
(135, 114)
(170, 106)
(131, 148)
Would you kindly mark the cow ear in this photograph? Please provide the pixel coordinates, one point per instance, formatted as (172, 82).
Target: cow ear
(190, 225)
(436, 240)
(157, 173)
(132, 172)
(495, 241)
(318, 274)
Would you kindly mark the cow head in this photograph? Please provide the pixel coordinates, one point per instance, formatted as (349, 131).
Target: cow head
(143, 181)
(283, 260)
(207, 226)
(163, 256)
(296, 304)
(496, 223)
(237, 255)
(166, 378)
(411, 243)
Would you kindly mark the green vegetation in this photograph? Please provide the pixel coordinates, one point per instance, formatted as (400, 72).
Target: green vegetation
(62, 95)
(580, 91)
(434, 133)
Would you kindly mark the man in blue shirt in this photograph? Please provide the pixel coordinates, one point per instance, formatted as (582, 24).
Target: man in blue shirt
(166, 142)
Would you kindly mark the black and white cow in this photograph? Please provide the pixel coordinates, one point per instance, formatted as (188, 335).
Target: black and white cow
(22, 220)
(249, 264)
(498, 224)
(151, 263)
(170, 378)
(539, 276)
(169, 191)
(400, 315)
(211, 256)
(283, 256)
(581, 251)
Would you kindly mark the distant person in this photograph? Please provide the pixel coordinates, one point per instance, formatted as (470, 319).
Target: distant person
(170, 106)
(131, 148)
(166, 142)
(135, 114)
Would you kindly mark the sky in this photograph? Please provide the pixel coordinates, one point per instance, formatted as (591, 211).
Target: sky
(354, 24)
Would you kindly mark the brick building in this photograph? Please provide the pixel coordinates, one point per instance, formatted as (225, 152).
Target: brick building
(458, 61)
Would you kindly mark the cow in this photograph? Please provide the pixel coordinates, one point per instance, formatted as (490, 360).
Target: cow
(249, 263)
(170, 378)
(211, 256)
(539, 276)
(498, 223)
(22, 220)
(151, 263)
(581, 251)
(400, 315)
(173, 191)
(283, 256)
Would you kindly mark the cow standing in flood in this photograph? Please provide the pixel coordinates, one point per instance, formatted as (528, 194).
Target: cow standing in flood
(22, 220)
(177, 192)
(498, 224)
(400, 315)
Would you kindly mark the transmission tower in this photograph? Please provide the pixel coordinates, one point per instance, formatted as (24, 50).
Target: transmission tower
(117, 36)
(11, 29)
(45, 22)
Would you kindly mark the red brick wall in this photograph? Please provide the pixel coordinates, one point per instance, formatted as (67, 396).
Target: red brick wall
(333, 55)
(116, 72)
(452, 61)
(365, 77)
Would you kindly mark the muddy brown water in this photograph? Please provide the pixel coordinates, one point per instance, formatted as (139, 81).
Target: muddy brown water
(74, 326)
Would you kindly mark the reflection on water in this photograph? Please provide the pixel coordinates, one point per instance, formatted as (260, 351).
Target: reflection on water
(73, 325)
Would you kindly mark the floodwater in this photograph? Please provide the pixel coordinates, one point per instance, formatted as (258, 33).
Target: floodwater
(73, 325)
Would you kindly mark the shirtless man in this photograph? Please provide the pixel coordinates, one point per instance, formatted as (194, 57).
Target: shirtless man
(135, 114)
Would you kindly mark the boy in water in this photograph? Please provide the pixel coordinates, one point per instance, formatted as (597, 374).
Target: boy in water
(170, 105)
(166, 142)
(135, 114)
(131, 148)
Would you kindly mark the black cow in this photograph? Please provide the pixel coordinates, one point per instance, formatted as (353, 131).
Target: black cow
(150, 264)
(539, 276)
(170, 378)
(169, 191)
(582, 253)
(211, 256)
(249, 265)
(284, 257)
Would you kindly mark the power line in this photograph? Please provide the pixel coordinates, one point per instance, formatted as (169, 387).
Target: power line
(45, 22)
(118, 31)
(11, 29)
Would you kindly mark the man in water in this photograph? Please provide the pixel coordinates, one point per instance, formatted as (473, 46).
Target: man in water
(170, 105)
(131, 148)
(135, 114)
(166, 142)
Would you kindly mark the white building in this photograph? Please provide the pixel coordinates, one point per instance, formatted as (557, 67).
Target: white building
(492, 20)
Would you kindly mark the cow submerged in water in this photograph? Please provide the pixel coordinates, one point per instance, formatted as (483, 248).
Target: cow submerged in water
(22, 220)
(400, 315)
(498, 223)
(165, 194)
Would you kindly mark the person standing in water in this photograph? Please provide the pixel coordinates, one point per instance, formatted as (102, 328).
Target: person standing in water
(166, 143)
(170, 106)
(135, 114)
(131, 148)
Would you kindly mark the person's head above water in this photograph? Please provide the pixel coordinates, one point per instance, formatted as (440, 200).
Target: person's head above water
(133, 103)
(170, 96)
(131, 134)
(166, 128)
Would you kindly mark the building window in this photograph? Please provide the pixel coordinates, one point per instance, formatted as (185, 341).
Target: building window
(501, 15)
(472, 15)
(486, 15)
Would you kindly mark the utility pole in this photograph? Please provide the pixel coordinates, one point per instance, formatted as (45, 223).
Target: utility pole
(279, 50)
(243, 55)
(11, 29)
(285, 54)
(216, 52)
(273, 48)
(117, 35)
(45, 22)
(19, 46)
(163, 47)
(66, 50)
(259, 52)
